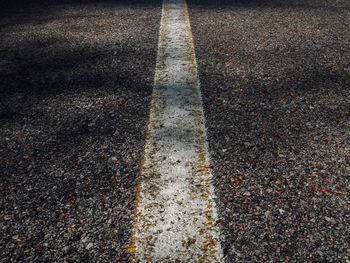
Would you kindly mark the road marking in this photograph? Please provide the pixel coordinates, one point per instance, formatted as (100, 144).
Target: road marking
(175, 218)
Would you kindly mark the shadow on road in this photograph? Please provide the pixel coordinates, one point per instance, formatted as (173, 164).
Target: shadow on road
(75, 86)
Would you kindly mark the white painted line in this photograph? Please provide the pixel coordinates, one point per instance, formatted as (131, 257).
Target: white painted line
(175, 219)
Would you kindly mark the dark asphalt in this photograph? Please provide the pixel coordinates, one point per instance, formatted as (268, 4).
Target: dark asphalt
(75, 86)
(275, 78)
(76, 83)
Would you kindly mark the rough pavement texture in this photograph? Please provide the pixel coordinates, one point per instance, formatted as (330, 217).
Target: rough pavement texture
(275, 79)
(75, 87)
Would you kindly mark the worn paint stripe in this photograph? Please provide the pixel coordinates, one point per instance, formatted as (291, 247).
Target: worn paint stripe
(175, 218)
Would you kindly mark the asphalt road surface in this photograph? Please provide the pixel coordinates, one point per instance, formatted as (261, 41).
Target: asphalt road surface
(76, 80)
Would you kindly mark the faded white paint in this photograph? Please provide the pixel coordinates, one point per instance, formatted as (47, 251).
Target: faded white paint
(175, 219)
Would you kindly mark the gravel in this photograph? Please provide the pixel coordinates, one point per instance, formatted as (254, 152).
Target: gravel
(275, 78)
(75, 88)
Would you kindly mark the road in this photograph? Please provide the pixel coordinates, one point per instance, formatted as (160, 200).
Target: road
(76, 83)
